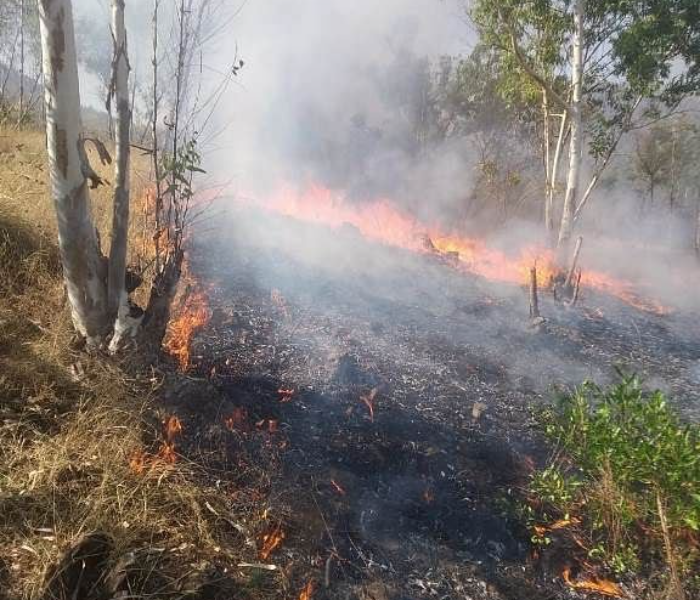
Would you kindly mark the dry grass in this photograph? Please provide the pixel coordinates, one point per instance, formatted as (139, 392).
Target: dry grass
(69, 423)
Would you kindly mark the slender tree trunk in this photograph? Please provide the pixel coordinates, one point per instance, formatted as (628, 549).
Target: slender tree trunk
(158, 208)
(174, 210)
(608, 156)
(556, 161)
(697, 231)
(83, 266)
(576, 142)
(118, 299)
(21, 59)
(548, 201)
(672, 191)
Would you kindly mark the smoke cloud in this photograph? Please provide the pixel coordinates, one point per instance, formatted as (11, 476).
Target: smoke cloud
(313, 98)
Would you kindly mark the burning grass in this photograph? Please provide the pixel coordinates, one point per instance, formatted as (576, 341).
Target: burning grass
(624, 486)
(382, 221)
(191, 315)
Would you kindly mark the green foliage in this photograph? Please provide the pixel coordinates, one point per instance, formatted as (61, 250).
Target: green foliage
(660, 35)
(630, 452)
(178, 170)
(541, 29)
(635, 50)
(555, 488)
(640, 440)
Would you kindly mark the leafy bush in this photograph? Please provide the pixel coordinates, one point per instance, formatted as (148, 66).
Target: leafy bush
(639, 440)
(629, 468)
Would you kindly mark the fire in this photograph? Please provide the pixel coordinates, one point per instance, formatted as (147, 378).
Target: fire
(561, 524)
(338, 488)
(141, 461)
(192, 317)
(382, 221)
(286, 395)
(598, 586)
(368, 400)
(138, 462)
(271, 425)
(172, 429)
(270, 541)
(308, 591)
(237, 419)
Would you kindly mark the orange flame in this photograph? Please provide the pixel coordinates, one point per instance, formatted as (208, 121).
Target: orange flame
(560, 524)
(237, 419)
(368, 400)
(286, 395)
(138, 462)
(192, 315)
(382, 221)
(598, 586)
(308, 591)
(338, 488)
(172, 429)
(271, 425)
(270, 541)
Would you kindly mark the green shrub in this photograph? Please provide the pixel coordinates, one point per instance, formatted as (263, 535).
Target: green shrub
(639, 440)
(629, 469)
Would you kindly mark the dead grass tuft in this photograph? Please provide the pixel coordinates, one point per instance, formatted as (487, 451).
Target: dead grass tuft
(70, 424)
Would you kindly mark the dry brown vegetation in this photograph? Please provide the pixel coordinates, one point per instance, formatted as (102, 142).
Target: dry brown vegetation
(72, 425)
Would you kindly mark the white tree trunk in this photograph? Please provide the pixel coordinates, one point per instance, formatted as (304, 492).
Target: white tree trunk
(548, 219)
(83, 267)
(554, 171)
(697, 232)
(576, 142)
(118, 303)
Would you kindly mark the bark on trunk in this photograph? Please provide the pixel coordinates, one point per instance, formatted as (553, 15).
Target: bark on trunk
(534, 300)
(155, 323)
(117, 296)
(83, 267)
(548, 201)
(576, 143)
(697, 232)
(556, 161)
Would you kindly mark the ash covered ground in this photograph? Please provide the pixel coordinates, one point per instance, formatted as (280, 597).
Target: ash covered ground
(409, 411)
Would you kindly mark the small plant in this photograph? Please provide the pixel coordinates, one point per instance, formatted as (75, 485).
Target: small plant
(554, 488)
(636, 481)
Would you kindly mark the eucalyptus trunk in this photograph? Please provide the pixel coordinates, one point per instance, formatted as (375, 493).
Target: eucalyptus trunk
(78, 242)
(576, 142)
(546, 141)
(118, 299)
(697, 232)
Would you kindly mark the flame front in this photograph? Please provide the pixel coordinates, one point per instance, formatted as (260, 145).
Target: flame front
(308, 591)
(270, 541)
(172, 429)
(193, 316)
(382, 221)
(597, 586)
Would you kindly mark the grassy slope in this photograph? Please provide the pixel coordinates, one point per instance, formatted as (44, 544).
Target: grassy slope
(69, 424)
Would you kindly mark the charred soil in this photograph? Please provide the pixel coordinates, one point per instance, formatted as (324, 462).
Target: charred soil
(375, 410)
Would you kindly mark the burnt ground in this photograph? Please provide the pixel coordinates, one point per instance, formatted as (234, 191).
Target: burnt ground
(404, 501)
